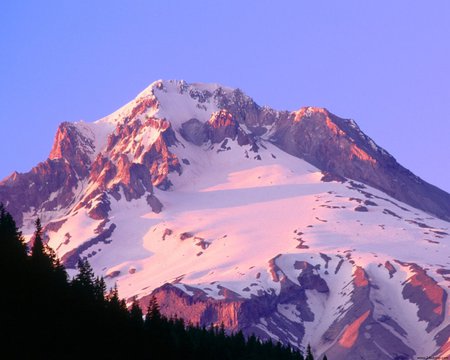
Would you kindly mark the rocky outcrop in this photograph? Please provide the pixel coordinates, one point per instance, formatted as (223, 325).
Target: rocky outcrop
(47, 186)
(74, 147)
(424, 291)
(136, 158)
(154, 203)
(355, 332)
(443, 341)
(222, 125)
(352, 335)
(234, 312)
(262, 314)
(194, 131)
(71, 258)
(308, 280)
(338, 146)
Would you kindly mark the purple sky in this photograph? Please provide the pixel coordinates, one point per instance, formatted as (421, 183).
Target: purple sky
(384, 63)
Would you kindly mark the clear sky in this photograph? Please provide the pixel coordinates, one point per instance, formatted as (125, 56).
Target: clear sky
(384, 63)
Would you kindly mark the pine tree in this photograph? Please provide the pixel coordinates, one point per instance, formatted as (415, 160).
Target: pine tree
(37, 251)
(153, 312)
(85, 276)
(324, 357)
(99, 287)
(309, 355)
(11, 240)
(136, 314)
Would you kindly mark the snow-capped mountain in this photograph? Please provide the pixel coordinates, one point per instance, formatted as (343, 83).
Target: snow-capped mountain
(289, 225)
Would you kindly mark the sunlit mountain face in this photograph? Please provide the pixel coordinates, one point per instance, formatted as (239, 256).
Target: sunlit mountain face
(293, 226)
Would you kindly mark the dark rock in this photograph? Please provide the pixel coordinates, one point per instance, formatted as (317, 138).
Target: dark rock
(186, 235)
(112, 274)
(167, 232)
(101, 208)
(389, 212)
(325, 258)
(424, 291)
(329, 177)
(202, 243)
(54, 226)
(222, 125)
(361, 208)
(443, 341)
(390, 268)
(339, 266)
(308, 280)
(154, 203)
(194, 131)
(443, 271)
(71, 258)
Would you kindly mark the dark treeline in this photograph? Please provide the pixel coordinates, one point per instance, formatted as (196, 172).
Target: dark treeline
(45, 315)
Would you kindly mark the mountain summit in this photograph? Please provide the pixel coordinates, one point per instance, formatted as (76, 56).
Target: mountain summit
(294, 226)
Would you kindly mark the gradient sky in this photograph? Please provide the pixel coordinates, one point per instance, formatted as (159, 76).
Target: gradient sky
(384, 63)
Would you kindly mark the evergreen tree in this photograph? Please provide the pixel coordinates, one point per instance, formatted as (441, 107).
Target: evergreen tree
(324, 357)
(309, 355)
(37, 251)
(99, 288)
(136, 314)
(11, 240)
(115, 301)
(85, 277)
(153, 312)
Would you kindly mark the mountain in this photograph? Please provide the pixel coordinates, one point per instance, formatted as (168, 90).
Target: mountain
(294, 226)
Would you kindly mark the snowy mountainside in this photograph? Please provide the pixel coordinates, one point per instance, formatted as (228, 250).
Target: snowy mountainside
(290, 225)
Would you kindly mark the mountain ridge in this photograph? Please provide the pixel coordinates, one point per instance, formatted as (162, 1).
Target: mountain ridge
(293, 136)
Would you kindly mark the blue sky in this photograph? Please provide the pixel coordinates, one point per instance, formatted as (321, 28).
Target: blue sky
(384, 63)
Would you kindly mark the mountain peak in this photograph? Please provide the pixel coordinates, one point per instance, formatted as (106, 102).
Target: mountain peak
(180, 87)
(171, 99)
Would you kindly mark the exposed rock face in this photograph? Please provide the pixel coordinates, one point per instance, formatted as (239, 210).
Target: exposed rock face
(246, 314)
(194, 131)
(73, 146)
(21, 192)
(424, 291)
(154, 203)
(357, 332)
(357, 327)
(71, 258)
(338, 146)
(308, 280)
(350, 336)
(221, 125)
(443, 341)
